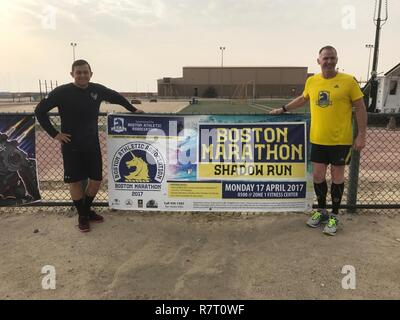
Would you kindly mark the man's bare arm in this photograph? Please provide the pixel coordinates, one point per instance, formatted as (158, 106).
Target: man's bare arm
(362, 119)
(292, 105)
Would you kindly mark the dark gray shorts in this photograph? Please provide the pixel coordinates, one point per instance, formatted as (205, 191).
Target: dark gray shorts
(336, 155)
(81, 165)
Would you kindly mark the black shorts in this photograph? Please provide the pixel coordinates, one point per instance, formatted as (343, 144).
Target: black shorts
(336, 155)
(81, 165)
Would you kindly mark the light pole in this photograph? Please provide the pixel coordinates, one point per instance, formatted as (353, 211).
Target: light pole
(369, 46)
(73, 45)
(222, 70)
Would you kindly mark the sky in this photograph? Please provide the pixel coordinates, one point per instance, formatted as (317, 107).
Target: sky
(132, 43)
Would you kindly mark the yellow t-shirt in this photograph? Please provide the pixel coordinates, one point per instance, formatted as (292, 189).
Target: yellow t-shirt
(331, 108)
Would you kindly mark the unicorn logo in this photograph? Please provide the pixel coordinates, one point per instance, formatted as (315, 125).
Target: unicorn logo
(324, 99)
(138, 163)
(141, 171)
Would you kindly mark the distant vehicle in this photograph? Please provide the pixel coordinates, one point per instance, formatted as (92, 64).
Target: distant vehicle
(153, 100)
(136, 101)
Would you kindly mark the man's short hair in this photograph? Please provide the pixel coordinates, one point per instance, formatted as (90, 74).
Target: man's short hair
(327, 48)
(80, 63)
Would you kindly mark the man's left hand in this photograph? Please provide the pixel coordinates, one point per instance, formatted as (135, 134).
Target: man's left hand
(359, 143)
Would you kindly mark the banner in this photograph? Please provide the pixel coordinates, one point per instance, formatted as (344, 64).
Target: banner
(209, 163)
(18, 175)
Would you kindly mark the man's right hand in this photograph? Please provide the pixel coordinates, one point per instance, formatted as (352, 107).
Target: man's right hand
(63, 137)
(277, 111)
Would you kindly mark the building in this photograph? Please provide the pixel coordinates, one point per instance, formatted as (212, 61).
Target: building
(235, 82)
(388, 97)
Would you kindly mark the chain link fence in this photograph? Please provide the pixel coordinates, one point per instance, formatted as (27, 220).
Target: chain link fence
(378, 182)
(379, 171)
(50, 166)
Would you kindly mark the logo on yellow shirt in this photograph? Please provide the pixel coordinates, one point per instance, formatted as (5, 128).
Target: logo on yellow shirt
(324, 99)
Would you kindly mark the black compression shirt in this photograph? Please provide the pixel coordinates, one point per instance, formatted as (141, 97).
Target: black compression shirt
(79, 111)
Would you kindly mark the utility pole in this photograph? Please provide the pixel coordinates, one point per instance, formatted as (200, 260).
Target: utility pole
(374, 82)
(254, 91)
(222, 70)
(369, 46)
(73, 45)
(40, 89)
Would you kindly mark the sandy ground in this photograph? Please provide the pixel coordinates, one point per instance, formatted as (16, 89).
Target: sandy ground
(134, 255)
(148, 107)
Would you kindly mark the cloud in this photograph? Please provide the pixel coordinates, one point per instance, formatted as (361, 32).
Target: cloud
(104, 15)
(139, 13)
(151, 38)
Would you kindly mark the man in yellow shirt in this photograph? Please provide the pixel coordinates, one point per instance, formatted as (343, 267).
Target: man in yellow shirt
(332, 96)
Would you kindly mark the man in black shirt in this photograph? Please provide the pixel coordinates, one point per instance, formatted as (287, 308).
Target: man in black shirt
(78, 106)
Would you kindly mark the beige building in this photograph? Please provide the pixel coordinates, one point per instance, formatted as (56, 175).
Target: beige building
(235, 82)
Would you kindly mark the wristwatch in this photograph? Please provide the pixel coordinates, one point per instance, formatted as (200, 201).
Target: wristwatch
(284, 108)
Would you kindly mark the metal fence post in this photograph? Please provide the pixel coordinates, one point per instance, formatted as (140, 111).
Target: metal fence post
(354, 171)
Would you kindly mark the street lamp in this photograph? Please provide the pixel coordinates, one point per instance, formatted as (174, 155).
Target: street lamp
(73, 45)
(369, 46)
(222, 70)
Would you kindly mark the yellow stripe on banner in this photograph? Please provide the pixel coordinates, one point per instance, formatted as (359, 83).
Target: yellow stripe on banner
(272, 170)
(195, 190)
